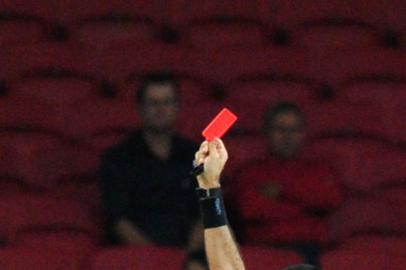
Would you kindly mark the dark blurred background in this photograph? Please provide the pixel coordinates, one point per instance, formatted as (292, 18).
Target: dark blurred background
(69, 71)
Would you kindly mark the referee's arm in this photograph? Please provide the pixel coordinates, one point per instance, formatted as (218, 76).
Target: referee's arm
(221, 248)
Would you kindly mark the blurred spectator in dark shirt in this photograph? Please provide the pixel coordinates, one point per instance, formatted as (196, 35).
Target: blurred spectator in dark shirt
(148, 196)
(285, 197)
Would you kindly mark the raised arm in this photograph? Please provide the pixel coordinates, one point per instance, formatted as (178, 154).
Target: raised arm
(221, 248)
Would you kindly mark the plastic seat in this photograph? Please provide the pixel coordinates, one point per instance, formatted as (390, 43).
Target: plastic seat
(387, 98)
(91, 8)
(251, 98)
(268, 259)
(20, 112)
(243, 149)
(218, 32)
(57, 87)
(183, 11)
(387, 245)
(361, 260)
(363, 216)
(333, 35)
(18, 29)
(105, 30)
(26, 258)
(19, 60)
(379, 12)
(135, 258)
(39, 158)
(30, 214)
(362, 163)
(100, 121)
(113, 63)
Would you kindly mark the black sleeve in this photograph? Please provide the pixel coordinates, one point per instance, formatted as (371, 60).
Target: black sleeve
(114, 187)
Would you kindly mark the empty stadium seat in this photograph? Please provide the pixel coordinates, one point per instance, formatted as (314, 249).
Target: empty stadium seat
(134, 258)
(58, 87)
(39, 158)
(243, 149)
(183, 11)
(18, 60)
(27, 258)
(261, 258)
(363, 163)
(22, 215)
(109, 30)
(363, 216)
(100, 121)
(335, 34)
(18, 29)
(223, 33)
(26, 112)
(350, 260)
(387, 245)
(384, 96)
(251, 98)
(153, 9)
(114, 63)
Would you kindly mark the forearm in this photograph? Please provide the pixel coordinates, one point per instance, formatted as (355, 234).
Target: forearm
(221, 249)
(128, 233)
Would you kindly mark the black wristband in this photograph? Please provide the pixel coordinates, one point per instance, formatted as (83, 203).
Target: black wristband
(213, 212)
(202, 193)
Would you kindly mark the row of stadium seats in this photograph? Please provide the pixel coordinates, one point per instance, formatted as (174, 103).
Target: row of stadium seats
(322, 33)
(76, 107)
(125, 63)
(42, 161)
(371, 257)
(181, 11)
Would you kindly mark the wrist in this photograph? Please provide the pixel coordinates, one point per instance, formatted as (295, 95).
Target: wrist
(207, 183)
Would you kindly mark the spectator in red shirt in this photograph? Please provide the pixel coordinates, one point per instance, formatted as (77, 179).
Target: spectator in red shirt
(284, 197)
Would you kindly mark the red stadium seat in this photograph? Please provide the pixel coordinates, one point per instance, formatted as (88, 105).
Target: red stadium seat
(40, 158)
(23, 112)
(105, 31)
(333, 35)
(377, 12)
(183, 11)
(26, 258)
(91, 8)
(350, 260)
(18, 29)
(268, 259)
(24, 214)
(386, 97)
(102, 122)
(56, 87)
(243, 150)
(387, 245)
(363, 216)
(113, 62)
(362, 163)
(251, 98)
(20, 59)
(137, 258)
(219, 32)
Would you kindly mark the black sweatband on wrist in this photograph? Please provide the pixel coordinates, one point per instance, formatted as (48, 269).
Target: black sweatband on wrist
(202, 193)
(213, 212)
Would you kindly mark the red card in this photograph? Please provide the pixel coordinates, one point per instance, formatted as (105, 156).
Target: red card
(219, 125)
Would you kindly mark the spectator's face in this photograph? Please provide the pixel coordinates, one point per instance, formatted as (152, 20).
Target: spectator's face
(159, 108)
(286, 134)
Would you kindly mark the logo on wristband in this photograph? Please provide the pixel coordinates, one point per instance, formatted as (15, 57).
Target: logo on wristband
(217, 204)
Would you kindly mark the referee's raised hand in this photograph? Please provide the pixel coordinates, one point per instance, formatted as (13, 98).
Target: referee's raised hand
(213, 155)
